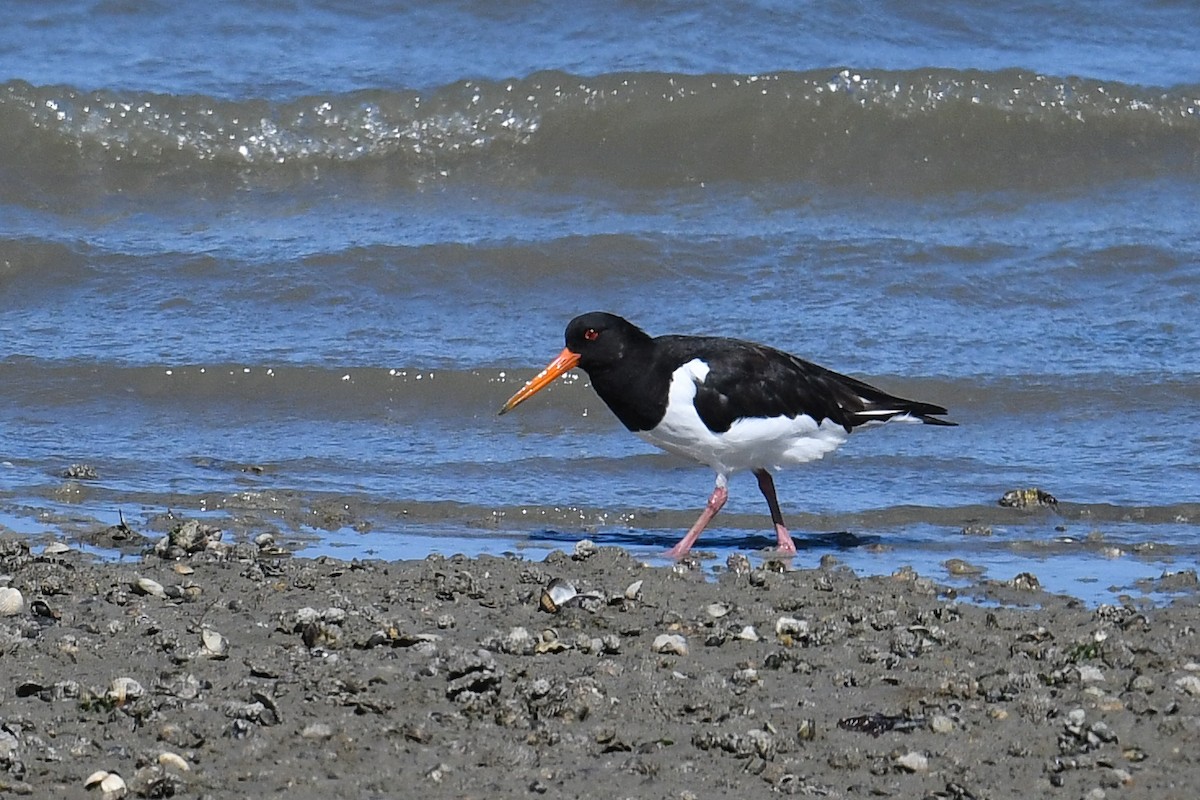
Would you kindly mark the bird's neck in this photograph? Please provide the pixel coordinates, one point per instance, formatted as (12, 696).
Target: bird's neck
(632, 387)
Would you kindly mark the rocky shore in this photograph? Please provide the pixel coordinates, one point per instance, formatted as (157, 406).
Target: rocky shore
(210, 670)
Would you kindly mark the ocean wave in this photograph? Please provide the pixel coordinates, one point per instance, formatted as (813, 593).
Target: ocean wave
(943, 129)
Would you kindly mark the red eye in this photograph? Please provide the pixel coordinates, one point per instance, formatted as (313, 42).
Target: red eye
(591, 334)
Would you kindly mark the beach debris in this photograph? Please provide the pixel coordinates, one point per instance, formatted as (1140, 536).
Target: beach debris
(1028, 498)
(717, 610)
(747, 634)
(12, 602)
(149, 586)
(189, 536)
(548, 642)
(913, 761)
(317, 730)
(1026, 582)
(1189, 684)
(391, 635)
(878, 723)
(940, 723)
(517, 641)
(9, 747)
(584, 548)
(789, 629)
(173, 761)
(670, 644)
(558, 594)
(960, 568)
(737, 563)
(976, 529)
(110, 785)
(40, 608)
(755, 743)
(213, 644)
(322, 629)
(471, 674)
(162, 777)
(123, 690)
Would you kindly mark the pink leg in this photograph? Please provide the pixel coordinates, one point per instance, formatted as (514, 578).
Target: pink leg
(766, 485)
(715, 502)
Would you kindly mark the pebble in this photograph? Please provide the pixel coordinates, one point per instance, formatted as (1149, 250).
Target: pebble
(1189, 684)
(317, 730)
(940, 723)
(913, 761)
(670, 643)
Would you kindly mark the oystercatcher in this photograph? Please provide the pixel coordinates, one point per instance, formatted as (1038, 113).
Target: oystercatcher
(727, 403)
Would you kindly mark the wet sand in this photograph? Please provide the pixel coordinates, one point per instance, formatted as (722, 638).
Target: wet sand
(212, 670)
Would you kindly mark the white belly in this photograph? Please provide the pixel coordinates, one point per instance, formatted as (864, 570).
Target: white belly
(750, 443)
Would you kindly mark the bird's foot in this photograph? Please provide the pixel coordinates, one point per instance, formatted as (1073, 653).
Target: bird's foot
(784, 541)
(677, 552)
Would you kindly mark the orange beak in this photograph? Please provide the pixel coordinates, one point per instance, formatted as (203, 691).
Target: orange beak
(565, 361)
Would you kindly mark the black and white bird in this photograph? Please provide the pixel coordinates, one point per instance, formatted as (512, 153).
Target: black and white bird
(727, 403)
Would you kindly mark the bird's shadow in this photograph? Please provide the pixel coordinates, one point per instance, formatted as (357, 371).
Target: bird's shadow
(711, 540)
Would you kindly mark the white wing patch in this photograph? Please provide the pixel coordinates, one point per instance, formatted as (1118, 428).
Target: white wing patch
(750, 443)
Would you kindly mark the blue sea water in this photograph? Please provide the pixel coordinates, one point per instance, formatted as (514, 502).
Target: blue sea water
(261, 261)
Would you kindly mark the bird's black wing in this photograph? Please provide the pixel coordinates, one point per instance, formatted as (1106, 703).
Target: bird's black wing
(752, 380)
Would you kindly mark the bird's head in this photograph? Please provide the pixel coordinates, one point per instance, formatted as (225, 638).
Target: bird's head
(594, 340)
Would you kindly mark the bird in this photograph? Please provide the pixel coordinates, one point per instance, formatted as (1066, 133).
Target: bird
(730, 404)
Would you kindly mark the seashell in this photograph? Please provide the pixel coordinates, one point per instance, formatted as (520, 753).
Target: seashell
(549, 642)
(213, 644)
(124, 690)
(717, 610)
(110, 784)
(11, 602)
(556, 595)
(183, 569)
(670, 643)
(173, 761)
(748, 634)
(149, 586)
(56, 549)
(633, 590)
(41, 608)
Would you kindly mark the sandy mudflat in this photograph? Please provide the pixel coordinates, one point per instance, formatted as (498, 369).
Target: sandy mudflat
(262, 675)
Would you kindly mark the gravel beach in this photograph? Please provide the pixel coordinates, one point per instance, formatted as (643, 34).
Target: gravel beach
(214, 670)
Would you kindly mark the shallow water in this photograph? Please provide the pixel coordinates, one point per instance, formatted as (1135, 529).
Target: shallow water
(313, 271)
